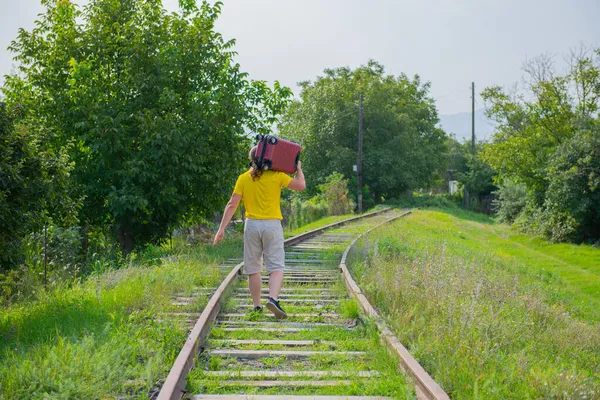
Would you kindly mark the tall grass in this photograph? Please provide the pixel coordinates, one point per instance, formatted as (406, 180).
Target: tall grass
(105, 337)
(485, 323)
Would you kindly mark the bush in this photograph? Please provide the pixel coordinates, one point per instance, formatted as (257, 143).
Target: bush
(304, 212)
(512, 198)
(551, 224)
(332, 200)
(70, 255)
(17, 284)
(572, 203)
(34, 185)
(335, 194)
(570, 208)
(349, 309)
(415, 200)
(368, 200)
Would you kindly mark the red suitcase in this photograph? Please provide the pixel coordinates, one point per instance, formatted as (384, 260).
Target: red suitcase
(277, 154)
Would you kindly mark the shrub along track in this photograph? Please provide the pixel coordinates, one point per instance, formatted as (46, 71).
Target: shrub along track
(322, 351)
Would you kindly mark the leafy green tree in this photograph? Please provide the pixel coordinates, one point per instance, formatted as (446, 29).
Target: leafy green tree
(547, 140)
(153, 105)
(466, 166)
(34, 186)
(456, 157)
(402, 147)
(478, 176)
(573, 195)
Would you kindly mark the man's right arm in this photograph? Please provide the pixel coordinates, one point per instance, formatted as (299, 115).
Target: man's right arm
(298, 183)
(227, 214)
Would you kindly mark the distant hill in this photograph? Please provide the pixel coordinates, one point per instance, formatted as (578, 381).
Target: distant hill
(460, 125)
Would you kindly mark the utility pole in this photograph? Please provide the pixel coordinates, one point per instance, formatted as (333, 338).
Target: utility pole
(46, 255)
(359, 163)
(466, 191)
(473, 116)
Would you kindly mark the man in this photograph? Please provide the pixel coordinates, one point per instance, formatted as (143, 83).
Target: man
(263, 233)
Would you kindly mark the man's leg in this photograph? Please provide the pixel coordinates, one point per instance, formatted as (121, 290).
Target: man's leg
(275, 261)
(255, 286)
(275, 283)
(253, 259)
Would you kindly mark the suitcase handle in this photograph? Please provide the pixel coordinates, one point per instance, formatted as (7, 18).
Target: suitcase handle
(260, 160)
(296, 160)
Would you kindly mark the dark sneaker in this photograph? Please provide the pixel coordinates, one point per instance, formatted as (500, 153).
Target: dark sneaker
(275, 308)
(255, 314)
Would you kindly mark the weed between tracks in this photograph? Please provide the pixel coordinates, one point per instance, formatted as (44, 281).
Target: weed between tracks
(364, 337)
(361, 336)
(318, 224)
(476, 308)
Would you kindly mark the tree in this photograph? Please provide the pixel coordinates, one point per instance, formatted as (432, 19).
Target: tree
(34, 185)
(402, 147)
(572, 200)
(547, 140)
(478, 178)
(153, 105)
(456, 157)
(465, 165)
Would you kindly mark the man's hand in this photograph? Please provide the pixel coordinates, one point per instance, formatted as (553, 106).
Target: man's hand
(218, 237)
(227, 214)
(298, 183)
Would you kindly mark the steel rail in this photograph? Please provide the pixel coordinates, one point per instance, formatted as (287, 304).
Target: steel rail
(425, 387)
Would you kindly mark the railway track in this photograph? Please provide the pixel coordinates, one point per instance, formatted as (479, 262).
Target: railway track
(324, 350)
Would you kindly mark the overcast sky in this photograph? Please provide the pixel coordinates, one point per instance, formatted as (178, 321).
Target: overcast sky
(447, 42)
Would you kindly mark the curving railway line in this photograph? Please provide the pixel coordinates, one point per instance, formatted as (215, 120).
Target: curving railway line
(330, 347)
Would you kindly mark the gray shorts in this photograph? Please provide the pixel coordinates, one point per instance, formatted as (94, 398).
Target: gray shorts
(263, 238)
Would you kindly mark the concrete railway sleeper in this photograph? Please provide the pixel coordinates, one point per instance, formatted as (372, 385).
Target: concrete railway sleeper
(320, 352)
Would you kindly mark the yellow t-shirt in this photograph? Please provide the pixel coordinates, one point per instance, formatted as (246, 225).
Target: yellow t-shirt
(262, 196)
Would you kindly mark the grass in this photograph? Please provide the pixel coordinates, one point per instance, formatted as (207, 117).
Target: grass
(104, 337)
(108, 336)
(241, 306)
(322, 222)
(490, 314)
(318, 224)
(573, 271)
(362, 338)
(349, 309)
